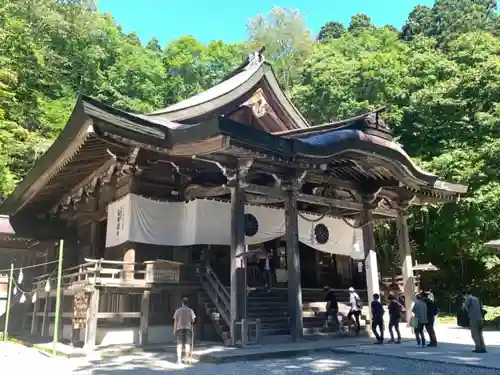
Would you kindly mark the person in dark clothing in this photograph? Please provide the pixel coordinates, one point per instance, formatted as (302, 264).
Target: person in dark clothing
(378, 319)
(332, 306)
(432, 311)
(394, 318)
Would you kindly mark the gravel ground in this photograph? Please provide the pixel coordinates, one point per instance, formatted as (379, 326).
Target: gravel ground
(341, 364)
(19, 360)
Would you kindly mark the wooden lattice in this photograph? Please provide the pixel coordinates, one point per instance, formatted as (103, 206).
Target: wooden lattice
(80, 307)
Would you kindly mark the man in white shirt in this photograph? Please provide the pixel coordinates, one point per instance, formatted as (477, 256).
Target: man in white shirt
(183, 328)
(355, 310)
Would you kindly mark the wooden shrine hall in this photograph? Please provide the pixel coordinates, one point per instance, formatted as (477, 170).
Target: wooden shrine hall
(158, 206)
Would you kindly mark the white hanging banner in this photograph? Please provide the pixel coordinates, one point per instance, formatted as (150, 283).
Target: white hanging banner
(330, 235)
(118, 225)
(202, 221)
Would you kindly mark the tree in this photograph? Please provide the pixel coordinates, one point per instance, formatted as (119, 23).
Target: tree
(448, 19)
(154, 45)
(286, 39)
(359, 22)
(331, 30)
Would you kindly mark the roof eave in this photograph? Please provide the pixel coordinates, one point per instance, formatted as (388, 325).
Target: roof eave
(60, 152)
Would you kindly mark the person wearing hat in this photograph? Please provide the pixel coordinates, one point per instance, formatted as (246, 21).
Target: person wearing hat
(355, 309)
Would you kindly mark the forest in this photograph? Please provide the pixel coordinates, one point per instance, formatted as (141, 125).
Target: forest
(438, 76)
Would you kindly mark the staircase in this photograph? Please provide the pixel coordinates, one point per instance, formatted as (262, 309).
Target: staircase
(314, 310)
(272, 310)
(216, 301)
(271, 307)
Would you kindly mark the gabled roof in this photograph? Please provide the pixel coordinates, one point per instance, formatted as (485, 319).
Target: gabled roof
(360, 148)
(252, 85)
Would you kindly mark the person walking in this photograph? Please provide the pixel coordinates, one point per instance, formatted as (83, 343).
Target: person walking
(419, 311)
(184, 318)
(267, 273)
(432, 311)
(355, 309)
(332, 306)
(377, 318)
(474, 309)
(394, 318)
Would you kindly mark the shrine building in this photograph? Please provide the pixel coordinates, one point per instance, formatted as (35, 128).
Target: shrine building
(181, 202)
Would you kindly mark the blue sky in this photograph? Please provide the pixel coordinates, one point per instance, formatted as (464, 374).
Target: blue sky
(226, 19)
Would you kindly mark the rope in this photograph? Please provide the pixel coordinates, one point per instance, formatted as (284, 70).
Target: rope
(312, 220)
(33, 290)
(28, 267)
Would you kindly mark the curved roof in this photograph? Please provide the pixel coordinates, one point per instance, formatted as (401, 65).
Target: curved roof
(232, 93)
(202, 124)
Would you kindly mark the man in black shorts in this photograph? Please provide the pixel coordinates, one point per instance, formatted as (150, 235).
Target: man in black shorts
(183, 328)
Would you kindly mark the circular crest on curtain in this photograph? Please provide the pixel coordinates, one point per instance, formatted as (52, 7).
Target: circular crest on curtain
(251, 225)
(321, 233)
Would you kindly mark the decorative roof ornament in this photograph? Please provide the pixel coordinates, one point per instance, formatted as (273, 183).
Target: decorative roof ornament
(255, 58)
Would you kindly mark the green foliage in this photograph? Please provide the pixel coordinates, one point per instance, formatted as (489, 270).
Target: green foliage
(442, 90)
(439, 78)
(331, 30)
(286, 39)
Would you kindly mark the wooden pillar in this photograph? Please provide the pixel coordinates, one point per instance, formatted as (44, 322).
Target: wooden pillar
(406, 262)
(144, 325)
(371, 266)
(45, 319)
(238, 275)
(128, 269)
(34, 318)
(293, 265)
(91, 330)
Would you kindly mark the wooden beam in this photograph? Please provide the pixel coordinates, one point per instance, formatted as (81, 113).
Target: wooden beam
(320, 201)
(120, 315)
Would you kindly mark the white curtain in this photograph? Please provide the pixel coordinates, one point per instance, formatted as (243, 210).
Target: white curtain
(204, 221)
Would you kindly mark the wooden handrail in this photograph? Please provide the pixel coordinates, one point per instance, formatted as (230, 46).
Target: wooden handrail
(221, 298)
(211, 273)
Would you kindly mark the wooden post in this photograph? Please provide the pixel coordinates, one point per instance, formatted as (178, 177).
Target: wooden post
(293, 265)
(91, 331)
(34, 318)
(371, 265)
(128, 269)
(45, 319)
(238, 286)
(143, 335)
(406, 262)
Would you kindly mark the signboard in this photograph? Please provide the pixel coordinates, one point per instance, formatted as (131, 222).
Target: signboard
(118, 225)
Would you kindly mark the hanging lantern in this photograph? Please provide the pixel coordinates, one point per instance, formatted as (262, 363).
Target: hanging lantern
(14, 291)
(20, 277)
(33, 297)
(47, 286)
(23, 298)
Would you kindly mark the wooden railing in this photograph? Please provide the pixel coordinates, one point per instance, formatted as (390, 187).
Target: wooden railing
(218, 294)
(100, 271)
(166, 271)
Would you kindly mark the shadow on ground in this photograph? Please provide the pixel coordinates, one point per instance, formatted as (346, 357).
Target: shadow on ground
(327, 362)
(160, 363)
